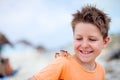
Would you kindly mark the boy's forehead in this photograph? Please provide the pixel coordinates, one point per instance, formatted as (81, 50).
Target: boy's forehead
(87, 28)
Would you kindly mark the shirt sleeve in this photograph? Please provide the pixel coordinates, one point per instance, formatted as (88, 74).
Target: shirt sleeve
(52, 71)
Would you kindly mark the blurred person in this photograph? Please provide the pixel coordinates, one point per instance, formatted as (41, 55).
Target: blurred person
(90, 30)
(5, 66)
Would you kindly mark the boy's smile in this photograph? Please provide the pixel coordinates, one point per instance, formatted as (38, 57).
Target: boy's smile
(85, 52)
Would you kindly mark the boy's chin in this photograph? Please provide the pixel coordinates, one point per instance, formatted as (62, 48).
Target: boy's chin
(85, 60)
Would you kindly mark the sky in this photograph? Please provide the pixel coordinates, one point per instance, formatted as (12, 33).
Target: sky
(48, 22)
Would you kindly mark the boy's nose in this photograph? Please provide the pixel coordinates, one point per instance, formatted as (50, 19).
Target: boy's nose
(85, 44)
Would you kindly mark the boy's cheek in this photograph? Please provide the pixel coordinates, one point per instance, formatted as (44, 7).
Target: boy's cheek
(76, 45)
(76, 49)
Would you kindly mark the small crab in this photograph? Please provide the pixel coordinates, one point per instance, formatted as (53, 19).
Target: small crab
(62, 53)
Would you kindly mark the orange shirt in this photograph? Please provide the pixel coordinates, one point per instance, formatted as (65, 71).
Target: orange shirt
(66, 68)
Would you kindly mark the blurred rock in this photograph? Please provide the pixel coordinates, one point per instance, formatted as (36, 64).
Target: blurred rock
(24, 42)
(114, 54)
(4, 41)
(40, 49)
(112, 63)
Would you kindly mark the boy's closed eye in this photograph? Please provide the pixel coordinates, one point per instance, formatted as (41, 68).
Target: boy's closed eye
(78, 38)
(92, 39)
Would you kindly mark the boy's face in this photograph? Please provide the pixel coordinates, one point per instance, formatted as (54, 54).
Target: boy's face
(88, 42)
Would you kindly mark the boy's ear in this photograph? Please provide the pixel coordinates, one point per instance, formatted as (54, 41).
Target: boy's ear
(106, 41)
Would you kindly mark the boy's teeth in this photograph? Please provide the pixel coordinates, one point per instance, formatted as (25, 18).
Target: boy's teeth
(86, 52)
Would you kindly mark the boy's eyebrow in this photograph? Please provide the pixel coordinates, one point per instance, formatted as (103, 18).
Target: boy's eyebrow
(92, 36)
(78, 35)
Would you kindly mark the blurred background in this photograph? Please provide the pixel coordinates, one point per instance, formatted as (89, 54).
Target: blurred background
(31, 31)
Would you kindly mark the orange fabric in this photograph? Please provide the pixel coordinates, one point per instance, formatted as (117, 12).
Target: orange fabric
(66, 68)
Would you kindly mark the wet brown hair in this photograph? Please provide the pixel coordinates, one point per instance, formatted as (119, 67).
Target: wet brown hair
(90, 14)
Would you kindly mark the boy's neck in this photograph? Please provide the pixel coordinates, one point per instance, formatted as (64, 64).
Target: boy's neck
(87, 66)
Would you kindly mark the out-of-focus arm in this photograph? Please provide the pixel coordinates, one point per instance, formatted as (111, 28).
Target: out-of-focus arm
(32, 78)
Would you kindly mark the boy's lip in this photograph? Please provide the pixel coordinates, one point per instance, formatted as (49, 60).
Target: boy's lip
(85, 52)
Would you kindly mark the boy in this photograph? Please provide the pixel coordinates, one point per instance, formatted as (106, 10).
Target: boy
(90, 29)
